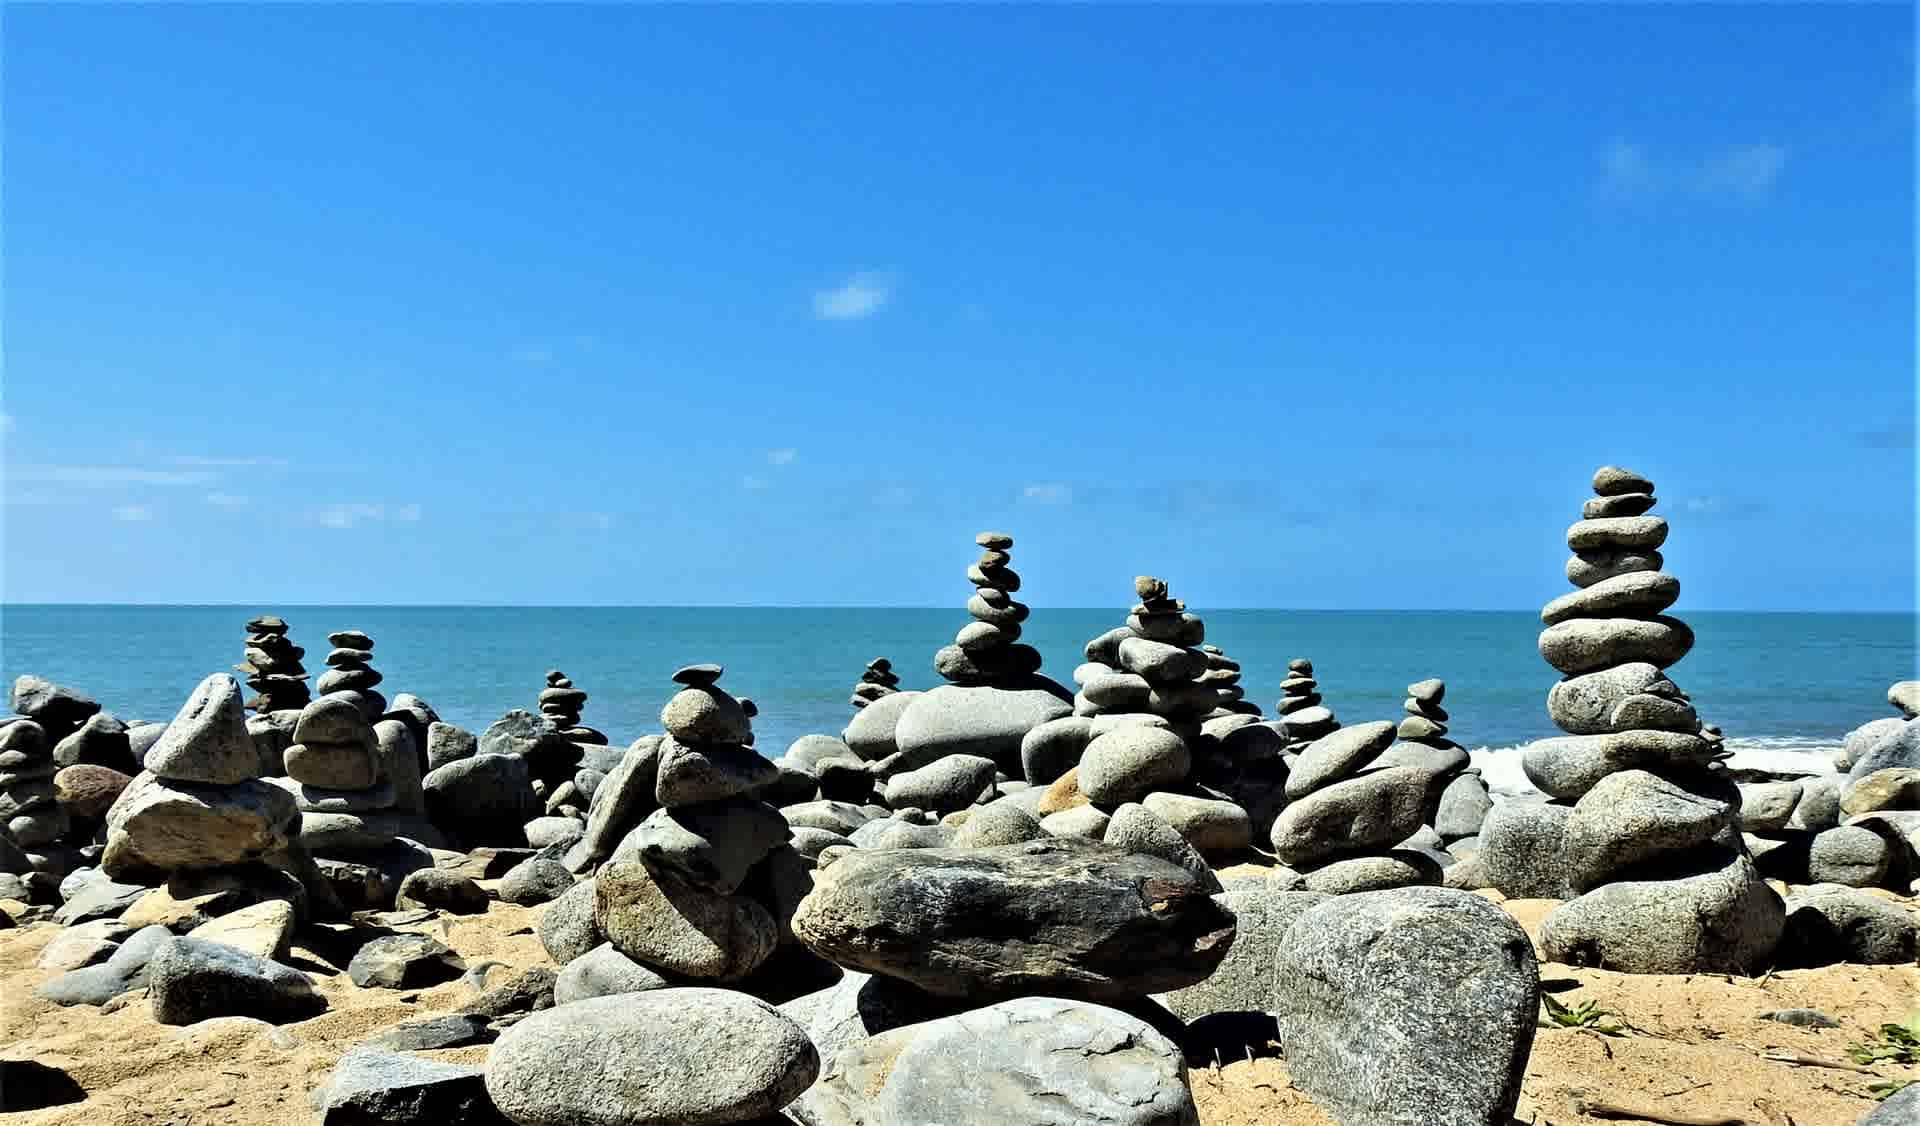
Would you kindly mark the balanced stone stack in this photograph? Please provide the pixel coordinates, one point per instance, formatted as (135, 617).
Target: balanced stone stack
(358, 789)
(1423, 743)
(272, 667)
(1223, 674)
(879, 680)
(994, 696)
(702, 889)
(1301, 715)
(1349, 806)
(1152, 665)
(987, 652)
(29, 814)
(351, 673)
(561, 702)
(199, 805)
(1651, 847)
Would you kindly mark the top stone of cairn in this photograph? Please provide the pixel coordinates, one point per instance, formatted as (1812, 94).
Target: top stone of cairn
(698, 676)
(1613, 481)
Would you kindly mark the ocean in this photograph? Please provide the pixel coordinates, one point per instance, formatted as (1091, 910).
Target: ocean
(1778, 684)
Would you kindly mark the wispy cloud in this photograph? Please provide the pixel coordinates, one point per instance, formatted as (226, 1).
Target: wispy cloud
(1716, 507)
(782, 456)
(133, 514)
(1052, 492)
(108, 475)
(227, 462)
(753, 481)
(226, 500)
(351, 513)
(862, 295)
(1743, 173)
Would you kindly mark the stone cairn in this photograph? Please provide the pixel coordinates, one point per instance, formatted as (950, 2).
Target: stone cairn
(200, 808)
(986, 652)
(29, 816)
(702, 890)
(1464, 800)
(272, 667)
(1141, 724)
(879, 680)
(1650, 847)
(1223, 674)
(350, 673)
(358, 788)
(561, 702)
(1302, 715)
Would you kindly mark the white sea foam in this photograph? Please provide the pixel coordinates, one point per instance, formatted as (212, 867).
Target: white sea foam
(1784, 754)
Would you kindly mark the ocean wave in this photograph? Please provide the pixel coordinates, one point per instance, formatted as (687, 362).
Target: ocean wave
(1500, 766)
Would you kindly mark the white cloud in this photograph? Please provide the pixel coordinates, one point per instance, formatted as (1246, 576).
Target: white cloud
(782, 456)
(863, 295)
(750, 481)
(1745, 172)
(227, 462)
(1051, 492)
(133, 513)
(1731, 173)
(107, 475)
(226, 500)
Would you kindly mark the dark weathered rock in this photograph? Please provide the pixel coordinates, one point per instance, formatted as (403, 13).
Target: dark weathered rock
(487, 799)
(442, 890)
(446, 1030)
(1363, 982)
(567, 927)
(372, 1086)
(1828, 923)
(1523, 849)
(1243, 983)
(657, 920)
(189, 981)
(536, 881)
(404, 961)
(1057, 916)
(711, 845)
(669, 1057)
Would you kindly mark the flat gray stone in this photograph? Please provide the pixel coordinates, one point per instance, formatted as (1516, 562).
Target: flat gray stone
(189, 981)
(371, 1085)
(1848, 855)
(1586, 645)
(1375, 809)
(447, 1030)
(945, 785)
(954, 720)
(668, 1057)
(603, 972)
(158, 826)
(404, 961)
(870, 734)
(1337, 756)
(1568, 766)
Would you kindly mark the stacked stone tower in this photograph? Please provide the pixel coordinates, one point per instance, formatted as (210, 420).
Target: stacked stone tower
(702, 889)
(350, 673)
(986, 651)
(1300, 712)
(272, 667)
(880, 680)
(561, 702)
(1651, 847)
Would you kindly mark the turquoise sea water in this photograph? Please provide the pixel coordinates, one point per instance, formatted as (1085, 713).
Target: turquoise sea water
(1769, 680)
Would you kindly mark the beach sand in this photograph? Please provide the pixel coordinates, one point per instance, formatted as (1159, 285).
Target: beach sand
(1693, 1044)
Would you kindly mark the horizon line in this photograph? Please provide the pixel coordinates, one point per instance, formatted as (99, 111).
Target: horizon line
(4, 605)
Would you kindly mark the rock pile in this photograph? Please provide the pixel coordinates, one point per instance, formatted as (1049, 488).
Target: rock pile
(700, 891)
(879, 680)
(1349, 806)
(1302, 715)
(29, 815)
(350, 673)
(1223, 674)
(561, 702)
(1650, 846)
(272, 667)
(358, 787)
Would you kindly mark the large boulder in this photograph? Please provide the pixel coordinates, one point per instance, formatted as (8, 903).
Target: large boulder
(1058, 916)
(1706, 910)
(484, 800)
(1411, 1007)
(207, 742)
(1262, 915)
(1568, 766)
(370, 1085)
(1895, 750)
(1636, 815)
(659, 921)
(1379, 807)
(157, 826)
(1042, 1061)
(1523, 847)
(955, 720)
(1828, 923)
(871, 733)
(668, 1057)
(189, 980)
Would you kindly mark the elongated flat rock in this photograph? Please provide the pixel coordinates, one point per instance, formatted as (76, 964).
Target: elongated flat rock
(1585, 645)
(1060, 917)
(1635, 594)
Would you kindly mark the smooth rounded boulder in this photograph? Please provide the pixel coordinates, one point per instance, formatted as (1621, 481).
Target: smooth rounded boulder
(1061, 916)
(667, 1057)
(1706, 910)
(1411, 1007)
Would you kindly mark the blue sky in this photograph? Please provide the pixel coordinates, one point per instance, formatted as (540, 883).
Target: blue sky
(1302, 306)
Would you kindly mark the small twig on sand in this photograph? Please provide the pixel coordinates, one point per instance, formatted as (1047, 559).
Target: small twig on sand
(1684, 1090)
(1798, 1060)
(1597, 1108)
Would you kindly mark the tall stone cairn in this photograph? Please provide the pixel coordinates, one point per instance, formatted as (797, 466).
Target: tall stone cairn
(704, 887)
(987, 650)
(879, 680)
(272, 667)
(350, 672)
(1301, 714)
(1223, 674)
(1652, 849)
(561, 702)
(29, 816)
